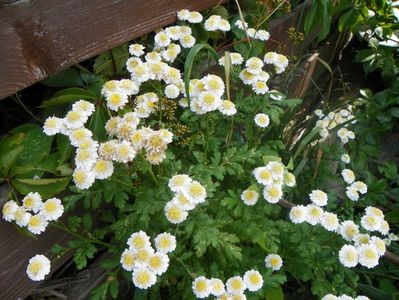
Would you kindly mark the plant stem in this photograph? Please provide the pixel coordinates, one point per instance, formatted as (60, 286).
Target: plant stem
(152, 174)
(230, 133)
(90, 240)
(184, 266)
(19, 101)
(206, 138)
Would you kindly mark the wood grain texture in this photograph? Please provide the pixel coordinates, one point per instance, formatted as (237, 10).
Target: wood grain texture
(39, 38)
(16, 250)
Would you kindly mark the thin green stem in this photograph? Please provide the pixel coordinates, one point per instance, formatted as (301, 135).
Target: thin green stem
(230, 133)
(152, 175)
(184, 266)
(206, 138)
(19, 101)
(67, 230)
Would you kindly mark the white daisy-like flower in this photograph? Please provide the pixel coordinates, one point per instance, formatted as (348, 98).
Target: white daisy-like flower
(136, 50)
(329, 297)
(361, 238)
(37, 224)
(344, 297)
(298, 214)
(235, 285)
(329, 221)
(345, 158)
(209, 101)
(75, 119)
(348, 176)
(84, 106)
(187, 41)
(384, 229)
(235, 59)
(227, 108)
(124, 152)
(270, 58)
(77, 136)
(194, 17)
(318, 197)
(253, 280)
(379, 244)
(162, 39)
(38, 267)
(224, 25)
(85, 159)
(360, 186)
(241, 25)
(52, 209)
(201, 287)
(158, 263)
(112, 126)
(260, 87)
(289, 179)
(262, 35)
(153, 57)
(172, 91)
(263, 175)
(315, 213)
(274, 262)
(254, 65)
(139, 240)
(21, 217)
(217, 287)
(142, 256)
(212, 23)
(213, 84)
(83, 178)
(262, 120)
(116, 100)
(249, 197)
(370, 222)
(374, 211)
(128, 259)
(107, 150)
(247, 77)
(362, 298)
(53, 125)
(129, 87)
(272, 193)
(143, 278)
(368, 256)
(175, 213)
(195, 192)
(352, 193)
(348, 230)
(33, 202)
(182, 200)
(183, 14)
(165, 242)
(103, 169)
(9, 209)
(348, 256)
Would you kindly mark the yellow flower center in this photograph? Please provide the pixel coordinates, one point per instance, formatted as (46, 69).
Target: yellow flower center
(143, 278)
(50, 206)
(34, 221)
(35, 267)
(155, 262)
(201, 286)
(174, 213)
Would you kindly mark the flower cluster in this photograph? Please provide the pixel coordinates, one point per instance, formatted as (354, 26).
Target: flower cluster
(279, 61)
(216, 22)
(273, 177)
(254, 75)
(188, 193)
(333, 119)
(189, 16)
(142, 259)
(38, 267)
(34, 213)
(343, 297)
(314, 215)
(253, 33)
(233, 289)
(117, 92)
(354, 187)
(235, 59)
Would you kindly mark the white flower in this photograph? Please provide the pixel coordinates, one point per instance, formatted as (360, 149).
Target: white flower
(379, 244)
(227, 108)
(217, 287)
(274, 262)
(103, 169)
(172, 91)
(165, 242)
(128, 260)
(52, 209)
(329, 297)
(368, 256)
(360, 186)
(77, 136)
(270, 58)
(9, 210)
(361, 239)
(38, 267)
(83, 179)
(158, 263)
(348, 229)
(345, 158)
(348, 256)
(263, 175)
(260, 87)
(254, 65)
(362, 298)
(224, 25)
(272, 193)
(33, 202)
(370, 222)
(289, 179)
(344, 297)
(183, 14)
(143, 278)
(201, 287)
(384, 229)
(352, 193)
(209, 101)
(84, 106)
(53, 125)
(329, 221)
(183, 201)
(194, 17)
(195, 192)
(212, 23)
(142, 256)
(175, 213)
(162, 39)
(235, 285)
(116, 100)
(187, 41)
(262, 35)
(124, 152)
(136, 49)
(253, 280)
(262, 120)
(348, 176)
(241, 25)
(374, 211)
(318, 197)
(85, 159)
(298, 214)
(75, 119)
(178, 182)
(315, 214)
(21, 217)
(139, 240)
(249, 197)
(37, 224)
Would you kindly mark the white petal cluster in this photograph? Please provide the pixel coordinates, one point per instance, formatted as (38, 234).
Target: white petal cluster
(34, 213)
(234, 287)
(216, 22)
(38, 267)
(187, 194)
(262, 120)
(235, 59)
(273, 262)
(273, 177)
(259, 34)
(254, 75)
(333, 119)
(249, 197)
(279, 61)
(144, 261)
(189, 16)
(117, 92)
(374, 220)
(343, 297)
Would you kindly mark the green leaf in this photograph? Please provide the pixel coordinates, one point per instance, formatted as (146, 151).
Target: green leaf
(8, 159)
(68, 77)
(188, 65)
(67, 96)
(97, 124)
(394, 111)
(47, 188)
(64, 148)
(112, 62)
(268, 158)
(274, 294)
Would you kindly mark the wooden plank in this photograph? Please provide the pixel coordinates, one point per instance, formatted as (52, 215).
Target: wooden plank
(16, 249)
(39, 38)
